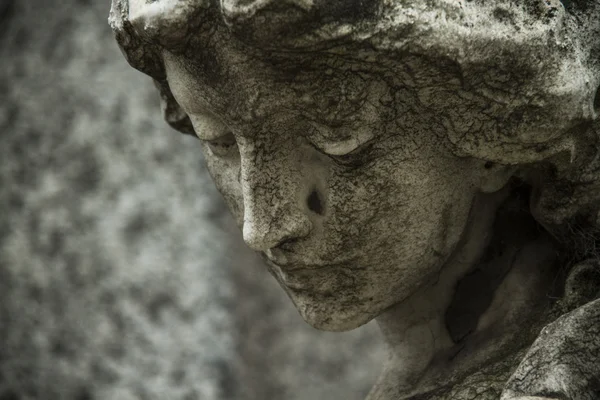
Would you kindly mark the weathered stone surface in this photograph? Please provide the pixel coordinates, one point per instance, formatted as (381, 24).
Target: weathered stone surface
(431, 164)
(117, 272)
(564, 361)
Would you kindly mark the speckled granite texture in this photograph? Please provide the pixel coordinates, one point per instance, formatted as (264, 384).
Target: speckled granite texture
(120, 274)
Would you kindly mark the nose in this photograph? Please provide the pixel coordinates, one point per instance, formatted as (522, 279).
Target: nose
(275, 202)
(262, 234)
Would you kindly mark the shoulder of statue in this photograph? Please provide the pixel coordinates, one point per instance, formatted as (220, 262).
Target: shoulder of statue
(563, 362)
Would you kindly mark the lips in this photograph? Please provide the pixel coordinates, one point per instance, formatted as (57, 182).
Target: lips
(288, 263)
(303, 278)
(309, 278)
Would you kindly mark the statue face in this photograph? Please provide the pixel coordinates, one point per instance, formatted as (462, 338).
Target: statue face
(351, 198)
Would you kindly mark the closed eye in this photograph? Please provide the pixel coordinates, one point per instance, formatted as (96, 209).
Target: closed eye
(357, 157)
(224, 146)
(347, 152)
(215, 134)
(342, 148)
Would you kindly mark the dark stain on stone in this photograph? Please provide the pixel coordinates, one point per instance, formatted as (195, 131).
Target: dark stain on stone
(597, 101)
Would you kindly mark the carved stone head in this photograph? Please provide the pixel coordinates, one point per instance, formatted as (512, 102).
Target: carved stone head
(364, 147)
(351, 139)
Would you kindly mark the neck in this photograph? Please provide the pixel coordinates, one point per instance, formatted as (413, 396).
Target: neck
(463, 319)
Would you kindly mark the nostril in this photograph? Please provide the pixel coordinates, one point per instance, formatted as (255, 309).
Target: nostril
(286, 244)
(314, 202)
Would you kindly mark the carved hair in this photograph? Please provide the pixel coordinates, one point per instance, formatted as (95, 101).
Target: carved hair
(535, 64)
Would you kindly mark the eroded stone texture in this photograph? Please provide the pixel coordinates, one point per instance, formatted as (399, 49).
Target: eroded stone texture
(430, 164)
(116, 275)
(564, 360)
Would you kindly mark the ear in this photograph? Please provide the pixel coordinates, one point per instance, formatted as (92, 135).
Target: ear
(495, 176)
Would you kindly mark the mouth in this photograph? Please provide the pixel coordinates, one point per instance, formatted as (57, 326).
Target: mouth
(293, 263)
(302, 276)
(292, 267)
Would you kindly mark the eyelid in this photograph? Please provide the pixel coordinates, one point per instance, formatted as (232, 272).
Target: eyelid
(343, 147)
(208, 127)
(223, 146)
(340, 147)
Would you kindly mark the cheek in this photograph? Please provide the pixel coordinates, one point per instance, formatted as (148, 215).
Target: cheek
(403, 226)
(412, 210)
(436, 207)
(226, 175)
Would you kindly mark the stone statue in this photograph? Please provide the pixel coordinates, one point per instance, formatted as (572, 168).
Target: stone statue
(431, 164)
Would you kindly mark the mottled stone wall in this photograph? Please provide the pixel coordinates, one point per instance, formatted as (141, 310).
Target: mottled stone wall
(121, 276)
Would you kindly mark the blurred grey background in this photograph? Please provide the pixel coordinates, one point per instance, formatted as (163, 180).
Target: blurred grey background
(121, 274)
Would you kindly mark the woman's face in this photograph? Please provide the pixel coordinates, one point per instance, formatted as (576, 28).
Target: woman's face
(338, 178)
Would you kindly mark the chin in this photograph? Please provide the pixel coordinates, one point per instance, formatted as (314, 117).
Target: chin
(332, 313)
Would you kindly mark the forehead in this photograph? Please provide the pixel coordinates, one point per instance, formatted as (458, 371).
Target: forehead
(244, 84)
